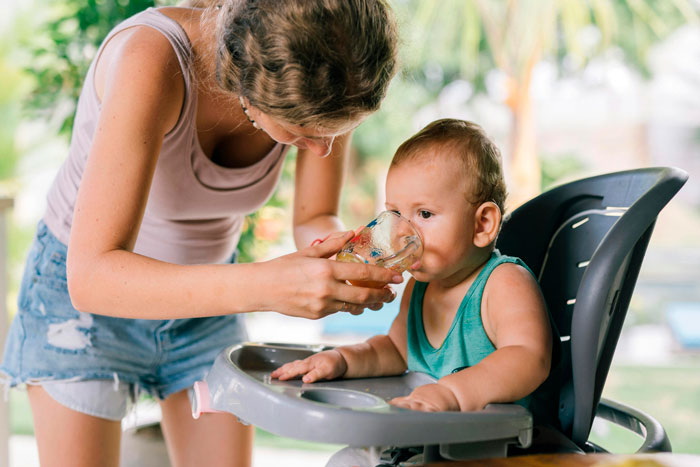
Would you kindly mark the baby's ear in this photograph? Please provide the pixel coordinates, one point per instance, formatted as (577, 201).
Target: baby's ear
(487, 222)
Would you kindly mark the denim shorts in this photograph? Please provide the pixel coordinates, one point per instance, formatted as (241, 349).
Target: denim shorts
(96, 364)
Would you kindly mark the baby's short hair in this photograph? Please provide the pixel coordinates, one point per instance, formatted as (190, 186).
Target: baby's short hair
(480, 157)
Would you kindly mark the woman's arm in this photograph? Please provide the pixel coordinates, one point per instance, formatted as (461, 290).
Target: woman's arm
(318, 183)
(141, 101)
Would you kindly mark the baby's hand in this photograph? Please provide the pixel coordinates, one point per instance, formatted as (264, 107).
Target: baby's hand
(428, 398)
(329, 364)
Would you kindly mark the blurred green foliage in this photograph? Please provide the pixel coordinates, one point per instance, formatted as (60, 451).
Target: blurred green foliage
(15, 85)
(670, 393)
(556, 169)
(469, 39)
(14, 82)
(490, 34)
(63, 53)
(267, 225)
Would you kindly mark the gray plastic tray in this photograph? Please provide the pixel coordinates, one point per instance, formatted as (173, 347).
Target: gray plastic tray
(354, 411)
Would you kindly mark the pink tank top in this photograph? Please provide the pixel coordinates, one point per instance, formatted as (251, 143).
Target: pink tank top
(195, 208)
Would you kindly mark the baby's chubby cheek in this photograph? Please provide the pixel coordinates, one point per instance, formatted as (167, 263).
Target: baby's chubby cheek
(431, 267)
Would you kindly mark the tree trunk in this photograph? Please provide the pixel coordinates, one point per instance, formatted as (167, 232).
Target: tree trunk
(525, 177)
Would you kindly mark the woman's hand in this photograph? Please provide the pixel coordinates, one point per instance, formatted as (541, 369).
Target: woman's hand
(428, 398)
(307, 284)
(328, 364)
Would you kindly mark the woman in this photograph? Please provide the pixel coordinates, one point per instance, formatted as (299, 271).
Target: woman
(181, 129)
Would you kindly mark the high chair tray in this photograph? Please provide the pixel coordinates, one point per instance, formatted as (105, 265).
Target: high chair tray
(353, 411)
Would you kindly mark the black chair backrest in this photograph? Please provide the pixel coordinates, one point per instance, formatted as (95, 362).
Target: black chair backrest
(585, 241)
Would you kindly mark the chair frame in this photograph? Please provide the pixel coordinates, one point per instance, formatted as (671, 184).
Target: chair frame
(636, 196)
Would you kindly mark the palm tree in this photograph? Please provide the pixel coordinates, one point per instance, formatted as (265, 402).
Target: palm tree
(514, 35)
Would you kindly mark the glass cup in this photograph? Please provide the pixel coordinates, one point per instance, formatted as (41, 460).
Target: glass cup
(389, 241)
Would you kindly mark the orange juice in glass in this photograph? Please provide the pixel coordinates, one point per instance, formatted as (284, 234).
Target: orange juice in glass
(389, 241)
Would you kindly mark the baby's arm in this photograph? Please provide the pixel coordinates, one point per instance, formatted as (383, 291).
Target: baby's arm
(515, 319)
(380, 355)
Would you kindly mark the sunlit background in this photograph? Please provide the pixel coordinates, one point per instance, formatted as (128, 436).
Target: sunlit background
(567, 88)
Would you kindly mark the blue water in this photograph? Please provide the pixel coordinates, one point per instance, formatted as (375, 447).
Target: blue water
(684, 320)
(370, 322)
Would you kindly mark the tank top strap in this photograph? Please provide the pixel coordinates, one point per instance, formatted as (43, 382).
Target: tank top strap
(180, 43)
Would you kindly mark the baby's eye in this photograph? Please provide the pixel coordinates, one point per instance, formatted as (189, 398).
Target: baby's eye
(396, 211)
(425, 214)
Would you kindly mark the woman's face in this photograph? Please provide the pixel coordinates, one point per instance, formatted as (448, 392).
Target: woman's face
(317, 140)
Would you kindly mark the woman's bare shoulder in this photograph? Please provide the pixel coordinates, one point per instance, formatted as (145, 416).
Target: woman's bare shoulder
(139, 50)
(140, 66)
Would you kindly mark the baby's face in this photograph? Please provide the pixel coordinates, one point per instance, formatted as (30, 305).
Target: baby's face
(430, 192)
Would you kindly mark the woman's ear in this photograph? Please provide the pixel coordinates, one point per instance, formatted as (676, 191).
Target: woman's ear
(487, 222)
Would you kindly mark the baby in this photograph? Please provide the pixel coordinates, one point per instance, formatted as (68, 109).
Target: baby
(470, 317)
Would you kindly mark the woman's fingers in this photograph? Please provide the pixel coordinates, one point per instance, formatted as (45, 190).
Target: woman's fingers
(352, 296)
(366, 275)
(330, 245)
(351, 308)
(313, 287)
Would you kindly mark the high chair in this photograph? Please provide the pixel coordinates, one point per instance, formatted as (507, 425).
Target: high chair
(585, 242)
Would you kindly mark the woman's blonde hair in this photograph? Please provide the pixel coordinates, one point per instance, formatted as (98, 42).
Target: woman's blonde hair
(320, 63)
(480, 157)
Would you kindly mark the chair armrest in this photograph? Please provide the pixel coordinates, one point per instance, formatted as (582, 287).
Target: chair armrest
(655, 438)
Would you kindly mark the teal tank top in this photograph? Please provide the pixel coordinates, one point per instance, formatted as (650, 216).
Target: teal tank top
(466, 343)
